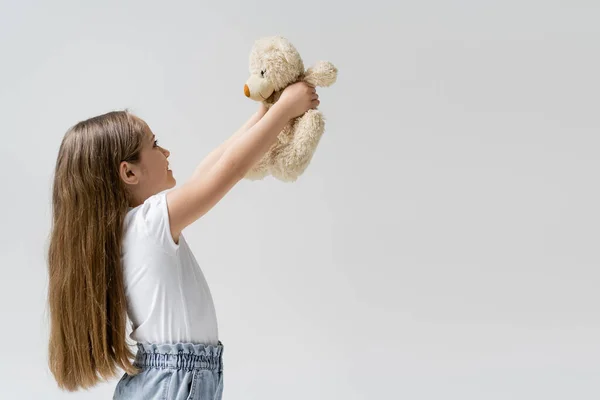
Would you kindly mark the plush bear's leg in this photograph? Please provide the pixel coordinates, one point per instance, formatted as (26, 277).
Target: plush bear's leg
(263, 167)
(258, 171)
(293, 158)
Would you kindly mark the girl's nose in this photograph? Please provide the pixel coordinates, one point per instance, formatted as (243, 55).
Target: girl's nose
(166, 152)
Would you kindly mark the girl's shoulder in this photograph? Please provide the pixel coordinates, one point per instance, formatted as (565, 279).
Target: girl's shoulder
(151, 220)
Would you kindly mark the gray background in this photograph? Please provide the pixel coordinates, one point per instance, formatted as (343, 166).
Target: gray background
(443, 244)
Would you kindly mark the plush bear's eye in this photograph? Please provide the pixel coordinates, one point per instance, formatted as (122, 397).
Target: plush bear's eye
(262, 73)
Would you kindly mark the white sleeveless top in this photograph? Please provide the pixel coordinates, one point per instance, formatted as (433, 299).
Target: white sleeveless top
(168, 298)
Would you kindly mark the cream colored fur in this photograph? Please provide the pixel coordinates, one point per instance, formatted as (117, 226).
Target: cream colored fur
(275, 64)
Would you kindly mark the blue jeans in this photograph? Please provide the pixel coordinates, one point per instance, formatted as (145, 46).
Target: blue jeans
(182, 371)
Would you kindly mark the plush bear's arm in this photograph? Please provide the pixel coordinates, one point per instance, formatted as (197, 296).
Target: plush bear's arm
(323, 73)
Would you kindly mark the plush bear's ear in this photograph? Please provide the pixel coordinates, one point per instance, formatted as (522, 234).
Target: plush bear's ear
(290, 54)
(323, 73)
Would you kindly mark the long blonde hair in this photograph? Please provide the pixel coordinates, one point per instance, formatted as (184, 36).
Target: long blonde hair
(86, 296)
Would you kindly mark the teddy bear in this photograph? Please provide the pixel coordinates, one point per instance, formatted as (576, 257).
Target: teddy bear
(275, 64)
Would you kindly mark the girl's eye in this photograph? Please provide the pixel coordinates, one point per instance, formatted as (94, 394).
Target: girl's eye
(156, 143)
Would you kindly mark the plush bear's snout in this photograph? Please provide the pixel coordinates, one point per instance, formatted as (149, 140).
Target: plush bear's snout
(258, 88)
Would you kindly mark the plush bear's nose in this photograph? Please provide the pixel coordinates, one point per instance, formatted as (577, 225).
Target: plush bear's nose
(246, 91)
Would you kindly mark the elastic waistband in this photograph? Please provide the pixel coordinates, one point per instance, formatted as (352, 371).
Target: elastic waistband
(188, 356)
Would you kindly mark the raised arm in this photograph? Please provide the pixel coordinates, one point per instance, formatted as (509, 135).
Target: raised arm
(210, 160)
(202, 192)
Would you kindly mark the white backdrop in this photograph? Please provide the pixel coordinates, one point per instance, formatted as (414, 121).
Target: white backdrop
(443, 244)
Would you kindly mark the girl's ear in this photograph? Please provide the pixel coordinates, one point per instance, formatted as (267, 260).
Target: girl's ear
(127, 173)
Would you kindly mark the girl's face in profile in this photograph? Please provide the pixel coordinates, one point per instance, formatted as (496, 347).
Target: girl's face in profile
(151, 174)
(154, 165)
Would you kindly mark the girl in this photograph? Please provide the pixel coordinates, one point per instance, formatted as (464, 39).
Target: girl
(116, 250)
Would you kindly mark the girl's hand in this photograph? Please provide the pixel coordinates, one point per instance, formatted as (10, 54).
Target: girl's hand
(297, 99)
